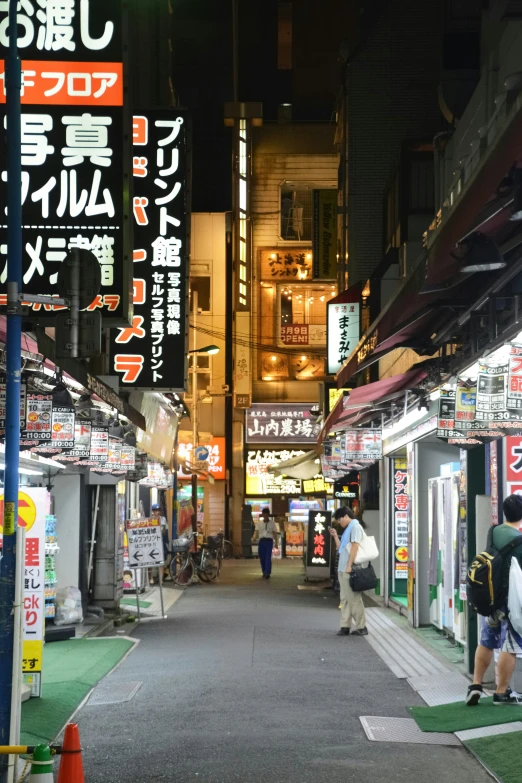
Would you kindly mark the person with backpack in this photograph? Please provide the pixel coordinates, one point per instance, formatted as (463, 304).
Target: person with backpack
(488, 589)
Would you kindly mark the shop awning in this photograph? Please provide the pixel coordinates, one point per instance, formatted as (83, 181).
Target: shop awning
(351, 410)
(497, 160)
(302, 467)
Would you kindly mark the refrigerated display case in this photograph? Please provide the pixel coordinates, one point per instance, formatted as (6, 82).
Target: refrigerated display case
(295, 527)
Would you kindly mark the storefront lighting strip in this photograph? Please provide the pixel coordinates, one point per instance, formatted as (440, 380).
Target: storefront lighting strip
(26, 471)
(41, 460)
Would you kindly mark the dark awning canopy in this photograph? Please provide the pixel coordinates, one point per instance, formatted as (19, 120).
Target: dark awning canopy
(363, 401)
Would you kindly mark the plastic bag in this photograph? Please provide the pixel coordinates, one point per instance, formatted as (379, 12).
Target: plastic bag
(68, 606)
(515, 595)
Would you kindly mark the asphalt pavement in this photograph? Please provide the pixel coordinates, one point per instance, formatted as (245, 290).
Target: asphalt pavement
(247, 681)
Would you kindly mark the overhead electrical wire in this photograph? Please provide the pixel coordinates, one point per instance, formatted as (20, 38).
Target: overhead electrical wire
(246, 342)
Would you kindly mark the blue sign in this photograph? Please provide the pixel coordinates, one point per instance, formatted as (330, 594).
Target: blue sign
(201, 454)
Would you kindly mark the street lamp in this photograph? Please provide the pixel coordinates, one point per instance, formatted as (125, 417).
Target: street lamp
(211, 349)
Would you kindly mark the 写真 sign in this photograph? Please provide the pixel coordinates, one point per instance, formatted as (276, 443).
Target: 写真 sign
(74, 147)
(281, 423)
(150, 354)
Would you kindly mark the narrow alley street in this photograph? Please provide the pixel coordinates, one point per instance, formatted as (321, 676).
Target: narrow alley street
(247, 681)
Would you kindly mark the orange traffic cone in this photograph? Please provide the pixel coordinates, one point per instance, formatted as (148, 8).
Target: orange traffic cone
(71, 764)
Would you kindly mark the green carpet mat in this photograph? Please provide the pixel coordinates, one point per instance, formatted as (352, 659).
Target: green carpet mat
(502, 754)
(458, 716)
(70, 670)
(132, 602)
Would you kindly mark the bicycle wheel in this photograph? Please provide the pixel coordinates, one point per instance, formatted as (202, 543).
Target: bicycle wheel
(228, 552)
(210, 570)
(181, 569)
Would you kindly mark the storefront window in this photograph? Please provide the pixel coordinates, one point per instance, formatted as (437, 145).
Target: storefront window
(201, 285)
(296, 211)
(302, 313)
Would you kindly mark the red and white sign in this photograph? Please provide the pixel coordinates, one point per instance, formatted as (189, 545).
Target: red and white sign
(363, 445)
(68, 83)
(514, 458)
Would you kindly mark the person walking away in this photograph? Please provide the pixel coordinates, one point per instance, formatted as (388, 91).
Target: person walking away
(266, 534)
(156, 514)
(352, 607)
(497, 633)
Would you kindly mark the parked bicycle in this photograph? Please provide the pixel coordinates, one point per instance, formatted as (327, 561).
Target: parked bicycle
(205, 564)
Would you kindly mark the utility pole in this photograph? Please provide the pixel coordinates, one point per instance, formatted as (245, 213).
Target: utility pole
(13, 380)
(194, 479)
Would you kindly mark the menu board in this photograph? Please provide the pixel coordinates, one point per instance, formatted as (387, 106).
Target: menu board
(63, 427)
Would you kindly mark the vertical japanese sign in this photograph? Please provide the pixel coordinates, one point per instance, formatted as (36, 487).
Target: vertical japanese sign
(514, 387)
(319, 539)
(343, 332)
(324, 239)
(493, 480)
(446, 413)
(74, 148)
(400, 517)
(462, 527)
(514, 464)
(151, 353)
(33, 505)
(410, 589)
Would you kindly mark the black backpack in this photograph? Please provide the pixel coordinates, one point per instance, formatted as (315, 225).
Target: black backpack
(484, 582)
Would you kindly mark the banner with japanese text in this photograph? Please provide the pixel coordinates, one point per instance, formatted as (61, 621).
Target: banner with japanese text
(74, 148)
(151, 353)
(33, 506)
(324, 234)
(319, 540)
(281, 423)
(400, 517)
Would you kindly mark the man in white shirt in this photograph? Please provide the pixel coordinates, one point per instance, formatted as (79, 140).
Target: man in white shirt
(352, 607)
(266, 534)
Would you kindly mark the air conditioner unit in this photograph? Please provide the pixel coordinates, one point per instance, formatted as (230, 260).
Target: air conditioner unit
(403, 267)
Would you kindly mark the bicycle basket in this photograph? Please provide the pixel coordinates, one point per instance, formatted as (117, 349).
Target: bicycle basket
(180, 545)
(214, 542)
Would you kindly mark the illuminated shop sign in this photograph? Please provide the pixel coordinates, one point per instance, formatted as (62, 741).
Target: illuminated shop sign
(74, 148)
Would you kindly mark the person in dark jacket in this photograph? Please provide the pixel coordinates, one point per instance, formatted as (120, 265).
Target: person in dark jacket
(497, 633)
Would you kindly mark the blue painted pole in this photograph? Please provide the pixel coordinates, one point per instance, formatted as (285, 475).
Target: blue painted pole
(13, 380)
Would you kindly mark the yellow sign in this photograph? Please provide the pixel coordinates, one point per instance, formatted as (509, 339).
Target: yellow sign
(33, 655)
(9, 519)
(334, 396)
(26, 514)
(401, 554)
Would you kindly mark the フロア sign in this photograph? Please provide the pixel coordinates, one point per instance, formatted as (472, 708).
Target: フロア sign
(74, 148)
(281, 423)
(151, 353)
